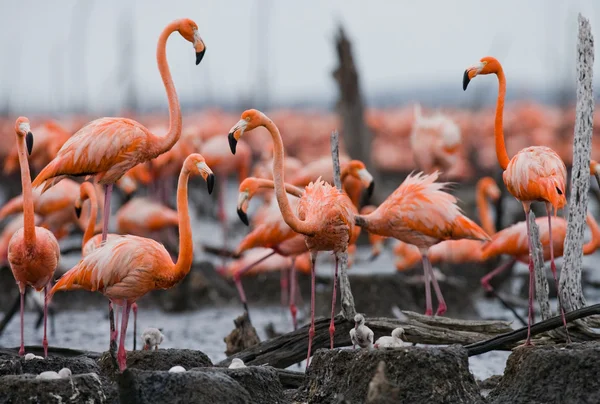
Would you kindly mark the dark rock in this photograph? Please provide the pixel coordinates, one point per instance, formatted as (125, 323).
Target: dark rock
(551, 374)
(78, 365)
(381, 391)
(262, 382)
(242, 336)
(10, 366)
(423, 375)
(163, 359)
(82, 388)
(157, 387)
(489, 383)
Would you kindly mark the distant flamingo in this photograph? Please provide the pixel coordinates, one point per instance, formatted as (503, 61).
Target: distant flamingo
(419, 212)
(512, 241)
(125, 268)
(325, 214)
(535, 173)
(33, 252)
(109, 147)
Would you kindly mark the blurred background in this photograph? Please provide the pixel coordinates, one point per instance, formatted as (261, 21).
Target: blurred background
(314, 67)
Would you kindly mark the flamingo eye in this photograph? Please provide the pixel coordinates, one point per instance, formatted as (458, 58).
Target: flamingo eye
(559, 191)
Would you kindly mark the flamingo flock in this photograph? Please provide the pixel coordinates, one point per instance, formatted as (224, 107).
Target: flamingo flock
(302, 212)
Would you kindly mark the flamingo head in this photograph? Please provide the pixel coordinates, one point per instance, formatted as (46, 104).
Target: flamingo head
(359, 319)
(251, 119)
(189, 30)
(489, 188)
(595, 170)
(23, 129)
(248, 187)
(486, 65)
(195, 163)
(357, 169)
(398, 333)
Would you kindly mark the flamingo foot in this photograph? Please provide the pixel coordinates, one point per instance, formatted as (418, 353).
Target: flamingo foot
(441, 309)
(331, 333)
(294, 312)
(429, 312)
(311, 334)
(22, 349)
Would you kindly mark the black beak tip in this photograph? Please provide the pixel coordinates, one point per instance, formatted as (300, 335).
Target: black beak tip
(466, 80)
(210, 182)
(232, 143)
(243, 217)
(29, 141)
(199, 56)
(370, 189)
(78, 212)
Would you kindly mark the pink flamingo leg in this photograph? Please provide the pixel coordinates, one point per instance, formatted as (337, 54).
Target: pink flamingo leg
(122, 355)
(222, 213)
(107, 195)
(134, 308)
(438, 292)
(284, 285)
(311, 330)
(293, 285)
(485, 281)
(531, 280)
(238, 281)
(45, 340)
(331, 322)
(113, 332)
(22, 349)
(427, 280)
(553, 268)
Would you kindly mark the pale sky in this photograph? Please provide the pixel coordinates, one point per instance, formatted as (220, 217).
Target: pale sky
(50, 63)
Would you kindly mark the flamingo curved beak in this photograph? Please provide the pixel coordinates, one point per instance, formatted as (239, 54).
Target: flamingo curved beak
(471, 72)
(199, 56)
(78, 211)
(235, 133)
(242, 206)
(207, 174)
(29, 142)
(210, 182)
(466, 80)
(367, 179)
(199, 47)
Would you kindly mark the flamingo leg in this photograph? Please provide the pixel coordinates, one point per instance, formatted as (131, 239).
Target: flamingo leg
(22, 349)
(107, 195)
(285, 286)
(122, 355)
(113, 332)
(45, 340)
(293, 285)
(427, 280)
(531, 280)
(221, 211)
(134, 308)
(311, 330)
(485, 282)
(331, 322)
(238, 280)
(553, 269)
(438, 292)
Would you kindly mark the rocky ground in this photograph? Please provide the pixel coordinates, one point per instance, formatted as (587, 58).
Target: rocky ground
(549, 374)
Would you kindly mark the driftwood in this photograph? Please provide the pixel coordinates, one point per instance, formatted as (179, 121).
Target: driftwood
(347, 300)
(570, 278)
(510, 340)
(541, 282)
(291, 348)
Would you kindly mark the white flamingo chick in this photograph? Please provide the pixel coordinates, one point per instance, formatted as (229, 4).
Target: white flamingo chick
(361, 335)
(152, 337)
(236, 363)
(395, 341)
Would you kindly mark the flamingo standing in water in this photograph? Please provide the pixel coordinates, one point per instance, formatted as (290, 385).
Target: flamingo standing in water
(325, 214)
(535, 173)
(419, 212)
(109, 147)
(125, 268)
(33, 252)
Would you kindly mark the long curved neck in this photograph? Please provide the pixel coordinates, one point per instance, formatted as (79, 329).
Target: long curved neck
(498, 129)
(270, 184)
(28, 215)
(484, 212)
(91, 227)
(186, 244)
(166, 142)
(594, 243)
(289, 217)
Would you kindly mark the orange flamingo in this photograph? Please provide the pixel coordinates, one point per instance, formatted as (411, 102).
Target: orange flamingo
(143, 216)
(419, 212)
(325, 214)
(125, 268)
(535, 173)
(7, 232)
(109, 147)
(33, 252)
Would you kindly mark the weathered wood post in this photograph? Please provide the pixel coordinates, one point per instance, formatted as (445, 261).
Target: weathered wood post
(348, 308)
(541, 282)
(570, 277)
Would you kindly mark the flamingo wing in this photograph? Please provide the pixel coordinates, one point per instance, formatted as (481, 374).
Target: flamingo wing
(108, 146)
